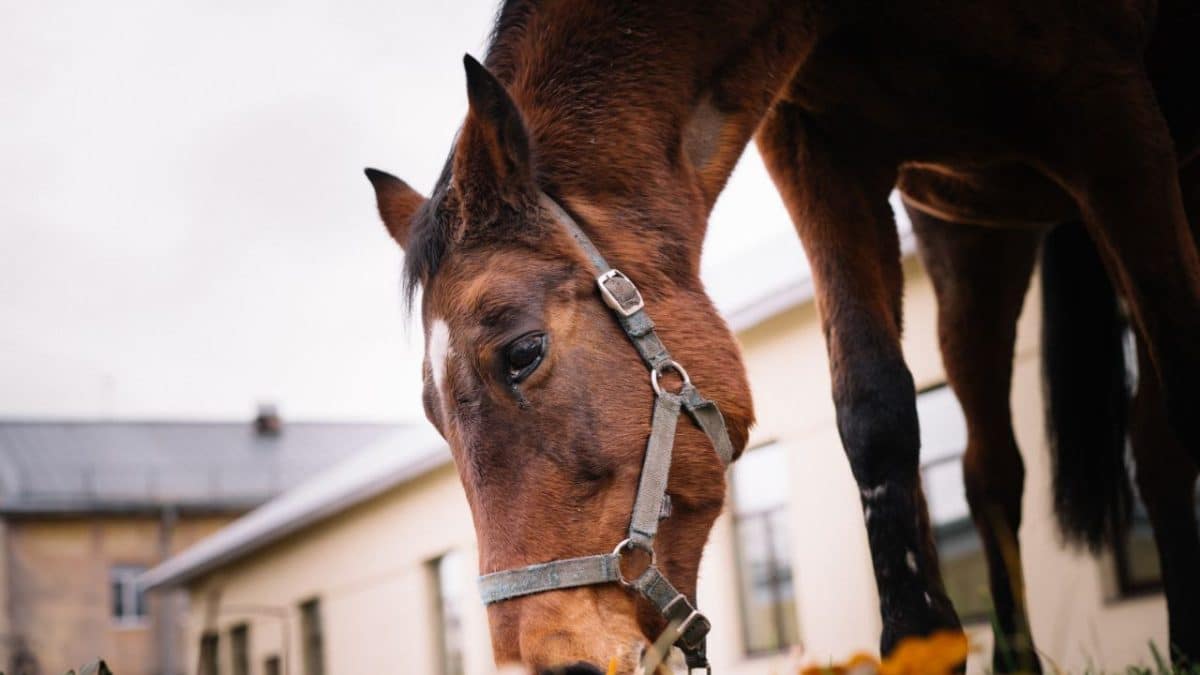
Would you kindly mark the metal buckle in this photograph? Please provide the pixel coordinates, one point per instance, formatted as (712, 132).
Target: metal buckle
(657, 372)
(682, 627)
(612, 301)
(625, 545)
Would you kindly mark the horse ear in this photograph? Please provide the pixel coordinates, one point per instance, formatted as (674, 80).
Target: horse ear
(397, 202)
(495, 124)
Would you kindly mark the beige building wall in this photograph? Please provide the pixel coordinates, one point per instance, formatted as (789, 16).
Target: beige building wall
(369, 568)
(369, 565)
(58, 588)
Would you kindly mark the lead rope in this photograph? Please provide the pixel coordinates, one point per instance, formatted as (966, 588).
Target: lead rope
(690, 628)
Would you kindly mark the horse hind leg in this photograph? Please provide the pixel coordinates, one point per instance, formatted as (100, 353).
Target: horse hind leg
(1166, 478)
(980, 277)
(842, 216)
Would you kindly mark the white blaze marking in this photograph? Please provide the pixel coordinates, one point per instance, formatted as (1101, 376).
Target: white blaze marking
(911, 559)
(439, 351)
(928, 600)
(867, 513)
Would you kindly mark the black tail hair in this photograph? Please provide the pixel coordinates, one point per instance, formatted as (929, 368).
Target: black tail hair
(1087, 390)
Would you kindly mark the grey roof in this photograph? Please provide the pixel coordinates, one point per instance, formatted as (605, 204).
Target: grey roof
(83, 467)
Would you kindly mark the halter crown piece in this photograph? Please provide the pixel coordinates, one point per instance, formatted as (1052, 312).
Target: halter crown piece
(652, 504)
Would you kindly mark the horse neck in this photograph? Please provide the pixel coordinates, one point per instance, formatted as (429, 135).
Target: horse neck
(639, 113)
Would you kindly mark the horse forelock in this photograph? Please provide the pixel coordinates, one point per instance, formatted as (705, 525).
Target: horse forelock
(430, 238)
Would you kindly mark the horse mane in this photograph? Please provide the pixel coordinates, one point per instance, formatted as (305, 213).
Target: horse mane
(509, 27)
(565, 106)
(432, 230)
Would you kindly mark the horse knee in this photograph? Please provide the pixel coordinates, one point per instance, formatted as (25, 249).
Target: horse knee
(877, 421)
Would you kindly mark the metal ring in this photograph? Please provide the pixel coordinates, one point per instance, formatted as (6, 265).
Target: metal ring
(670, 364)
(619, 551)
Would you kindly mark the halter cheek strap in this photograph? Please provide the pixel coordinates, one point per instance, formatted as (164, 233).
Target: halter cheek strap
(652, 503)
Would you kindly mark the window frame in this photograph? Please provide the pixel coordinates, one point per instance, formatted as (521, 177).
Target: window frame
(312, 637)
(962, 526)
(441, 642)
(125, 576)
(776, 558)
(1127, 587)
(239, 649)
(210, 653)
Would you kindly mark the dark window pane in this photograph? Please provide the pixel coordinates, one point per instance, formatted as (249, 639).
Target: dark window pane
(1141, 556)
(764, 550)
(239, 645)
(1136, 555)
(448, 574)
(208, 654)
(271, 666)
(964, 569)
(139, 599)
(312, 640)
(960, 550)
(118, 599)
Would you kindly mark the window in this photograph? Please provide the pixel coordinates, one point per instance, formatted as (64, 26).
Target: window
(128, 601)
(1136, 555)
(760, 521)
(447, 576)
(312, 642)
(208, 654)
(271, 666)
(943, 442)
(239, 644)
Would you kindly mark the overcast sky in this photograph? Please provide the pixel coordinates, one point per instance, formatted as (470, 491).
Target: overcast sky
(185, 228)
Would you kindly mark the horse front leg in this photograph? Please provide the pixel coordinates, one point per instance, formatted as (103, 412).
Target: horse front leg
(980, 276)
(843, 218)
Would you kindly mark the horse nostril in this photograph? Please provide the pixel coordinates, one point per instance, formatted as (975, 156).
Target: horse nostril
(580, 668)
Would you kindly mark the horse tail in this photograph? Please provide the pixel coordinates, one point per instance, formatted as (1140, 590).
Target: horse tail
(1087, 390)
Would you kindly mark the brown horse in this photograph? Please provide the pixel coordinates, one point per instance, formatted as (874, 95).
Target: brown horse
(631, 116)
(979, 234)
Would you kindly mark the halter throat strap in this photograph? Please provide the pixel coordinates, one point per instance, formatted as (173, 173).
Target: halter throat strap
(652, 504)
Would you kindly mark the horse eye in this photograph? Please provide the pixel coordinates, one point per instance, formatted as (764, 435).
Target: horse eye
(524, 355)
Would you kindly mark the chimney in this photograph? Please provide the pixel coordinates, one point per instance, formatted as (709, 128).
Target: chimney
(267, 421)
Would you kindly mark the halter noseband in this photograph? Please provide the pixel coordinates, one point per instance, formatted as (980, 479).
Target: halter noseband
(652, 503)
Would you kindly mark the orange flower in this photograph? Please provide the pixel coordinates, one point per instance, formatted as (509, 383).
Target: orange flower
(938, 654)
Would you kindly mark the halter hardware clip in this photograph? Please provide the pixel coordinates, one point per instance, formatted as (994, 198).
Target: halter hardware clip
(623, 296)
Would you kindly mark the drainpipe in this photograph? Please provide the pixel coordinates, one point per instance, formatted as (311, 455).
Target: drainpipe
(166, 624)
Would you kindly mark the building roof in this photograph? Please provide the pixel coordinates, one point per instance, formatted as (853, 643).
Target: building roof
(746, 295)
(390, 461)
(69, 467)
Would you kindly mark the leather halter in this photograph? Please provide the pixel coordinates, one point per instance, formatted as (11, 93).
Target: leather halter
(652, 503)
